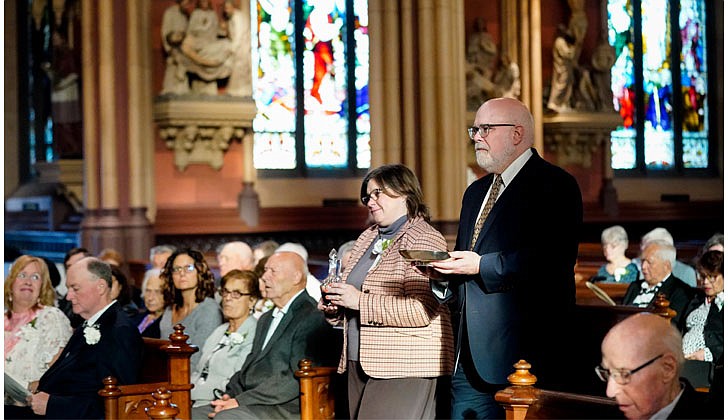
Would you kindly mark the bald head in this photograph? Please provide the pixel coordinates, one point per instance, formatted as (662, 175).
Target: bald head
(511, 133)
(650, 348)
(283, 277)
(235, 256)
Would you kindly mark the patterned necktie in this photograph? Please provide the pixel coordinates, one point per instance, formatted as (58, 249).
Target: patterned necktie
(494, 190)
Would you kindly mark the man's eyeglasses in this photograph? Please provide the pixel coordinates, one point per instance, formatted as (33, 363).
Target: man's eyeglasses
(183, 269)
(484, 129)
(235, 294)
(23, 276)
(374, 195)
(622, 376)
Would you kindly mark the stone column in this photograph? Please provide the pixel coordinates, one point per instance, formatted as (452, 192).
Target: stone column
(117, 127)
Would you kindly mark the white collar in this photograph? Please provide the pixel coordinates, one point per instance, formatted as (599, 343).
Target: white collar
(285, 307)
(515, 167)
(97, 315)
(665, 411)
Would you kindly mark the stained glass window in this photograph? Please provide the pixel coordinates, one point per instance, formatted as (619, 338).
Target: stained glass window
(312, 85)
(660, 77)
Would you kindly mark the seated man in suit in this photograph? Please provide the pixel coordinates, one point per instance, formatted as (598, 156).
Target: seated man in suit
(681, 270)
(265, 386)
(657, 260)
(641, 364)
(107, 343)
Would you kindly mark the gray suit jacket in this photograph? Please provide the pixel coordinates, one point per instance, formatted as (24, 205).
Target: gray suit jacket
(266, 378)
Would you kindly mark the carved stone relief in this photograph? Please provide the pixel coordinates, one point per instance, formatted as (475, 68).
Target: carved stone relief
(200, 130)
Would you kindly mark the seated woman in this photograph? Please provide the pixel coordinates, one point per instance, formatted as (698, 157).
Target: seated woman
(619, 268)
(35, 330)
(152, 292)
(121, 291)
(227, 347)
(703, 326)
(189, 298)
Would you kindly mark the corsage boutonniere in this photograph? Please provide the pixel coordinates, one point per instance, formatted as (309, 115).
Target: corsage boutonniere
(92, 334)
(381, 245)
(237, 338)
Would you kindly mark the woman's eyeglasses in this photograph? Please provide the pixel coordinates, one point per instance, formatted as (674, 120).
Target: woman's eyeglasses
(185, 268)
(235, 294)
(374, 195)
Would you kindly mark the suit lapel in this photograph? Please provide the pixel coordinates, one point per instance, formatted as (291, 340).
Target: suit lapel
(287, 318)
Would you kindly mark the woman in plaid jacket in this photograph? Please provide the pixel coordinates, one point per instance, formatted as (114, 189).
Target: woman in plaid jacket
(397, 337)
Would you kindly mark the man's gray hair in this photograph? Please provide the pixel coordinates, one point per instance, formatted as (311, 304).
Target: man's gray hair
(657, 234)
(99, 269)
(665, 251)
(160, 249)
(673, 344)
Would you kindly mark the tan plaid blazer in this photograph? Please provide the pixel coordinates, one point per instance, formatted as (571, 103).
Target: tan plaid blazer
(405, 332)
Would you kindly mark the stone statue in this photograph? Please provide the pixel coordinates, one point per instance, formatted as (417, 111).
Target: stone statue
(578, 24)
(204, 53)
(602, 61)
(174, 28)
(562, 78)
(237, 21)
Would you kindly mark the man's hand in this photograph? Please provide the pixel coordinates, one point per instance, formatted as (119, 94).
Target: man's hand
(39, 403)
(224, 403)
(460, 262)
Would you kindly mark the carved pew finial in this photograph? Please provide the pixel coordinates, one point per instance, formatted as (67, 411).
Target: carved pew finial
(522, 377)
(162, 409)
(661, 307)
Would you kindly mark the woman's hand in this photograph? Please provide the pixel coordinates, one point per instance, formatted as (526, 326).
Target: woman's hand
(698, 355)
(343, 295)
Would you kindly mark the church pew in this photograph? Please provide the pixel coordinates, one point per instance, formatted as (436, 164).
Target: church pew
(165, 368)
(317, 395)
(522, 400)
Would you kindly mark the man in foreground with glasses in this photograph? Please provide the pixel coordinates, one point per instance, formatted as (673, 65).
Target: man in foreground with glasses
(511, 275)
(641, 363)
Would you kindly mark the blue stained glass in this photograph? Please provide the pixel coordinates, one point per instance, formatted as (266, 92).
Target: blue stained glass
(623, 85)
(694, 81)
(274, 89)
(324, 83)
(361, 83)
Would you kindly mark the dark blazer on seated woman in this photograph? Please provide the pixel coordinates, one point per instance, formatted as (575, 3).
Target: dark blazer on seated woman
(713, 329)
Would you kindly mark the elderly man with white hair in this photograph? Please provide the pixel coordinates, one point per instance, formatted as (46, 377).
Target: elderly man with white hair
(641, 363)
(658, 258)
(235, 256)
(681, 270)
(313, 285)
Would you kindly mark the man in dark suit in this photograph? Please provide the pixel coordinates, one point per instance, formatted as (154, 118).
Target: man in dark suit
(641, 363)
(511, 275)
(657, 260)
(106, 344)
(265, 386)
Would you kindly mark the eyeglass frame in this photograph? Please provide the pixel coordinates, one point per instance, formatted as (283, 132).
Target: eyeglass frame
(709, 278)
(187, 268)
(625, 375)
(224, 292)
(484, 129)
(32, 277)
(373, 195)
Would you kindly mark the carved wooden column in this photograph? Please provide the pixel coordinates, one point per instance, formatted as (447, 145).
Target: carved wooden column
(117, 127)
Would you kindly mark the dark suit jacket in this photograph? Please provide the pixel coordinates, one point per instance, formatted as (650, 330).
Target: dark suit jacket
(528, 247)
(75, 378)
(674, 289)
(266, 378)
(691, 405)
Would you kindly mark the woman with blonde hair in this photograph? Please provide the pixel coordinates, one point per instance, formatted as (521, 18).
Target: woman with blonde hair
(35, 330)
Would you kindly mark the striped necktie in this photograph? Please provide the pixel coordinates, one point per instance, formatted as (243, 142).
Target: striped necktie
(494, 190)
